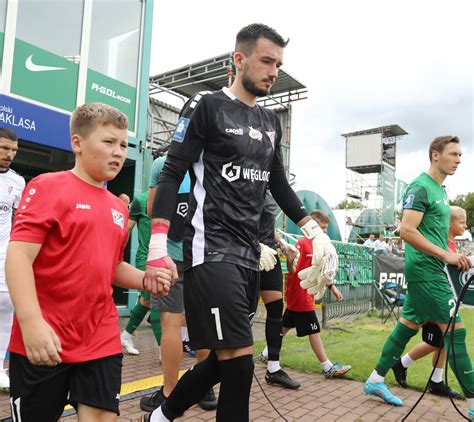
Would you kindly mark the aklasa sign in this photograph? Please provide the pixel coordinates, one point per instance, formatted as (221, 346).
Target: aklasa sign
(34, 123)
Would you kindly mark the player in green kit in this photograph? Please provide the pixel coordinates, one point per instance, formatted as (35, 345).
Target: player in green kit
(424, 227)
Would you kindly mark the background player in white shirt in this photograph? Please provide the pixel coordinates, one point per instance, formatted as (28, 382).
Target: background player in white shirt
(11, 187)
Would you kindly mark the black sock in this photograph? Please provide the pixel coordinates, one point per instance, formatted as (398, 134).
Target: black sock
(192, 386)
(273, 327)
(234, 394)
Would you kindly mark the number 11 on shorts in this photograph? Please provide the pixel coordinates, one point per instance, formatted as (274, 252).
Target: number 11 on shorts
(217, 316)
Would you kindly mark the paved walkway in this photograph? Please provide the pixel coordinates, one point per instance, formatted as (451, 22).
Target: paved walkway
(317, 399)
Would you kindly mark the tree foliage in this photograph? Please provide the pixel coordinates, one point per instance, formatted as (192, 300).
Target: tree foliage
(346, 204)
(466, 202)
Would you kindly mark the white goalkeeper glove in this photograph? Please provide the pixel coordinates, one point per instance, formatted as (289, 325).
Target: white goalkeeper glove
(319, 240)
(268, 258)
(323, 264)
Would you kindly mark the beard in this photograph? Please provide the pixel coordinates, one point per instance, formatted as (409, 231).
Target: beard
(250, 86)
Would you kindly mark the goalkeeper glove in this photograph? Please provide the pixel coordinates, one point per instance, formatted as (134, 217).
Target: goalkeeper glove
(268, 258)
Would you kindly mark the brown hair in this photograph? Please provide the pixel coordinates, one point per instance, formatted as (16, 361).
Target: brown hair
(87, 117)
(439, 143)
(320, 216)
(8, 134)
(248, 36)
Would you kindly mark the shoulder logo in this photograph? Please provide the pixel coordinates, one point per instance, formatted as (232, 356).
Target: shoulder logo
(117, 218)
(439, 201)
(255, 134)
(230, 172)
(181, 128)
(32, 67)
(182, 209)
(410, 199)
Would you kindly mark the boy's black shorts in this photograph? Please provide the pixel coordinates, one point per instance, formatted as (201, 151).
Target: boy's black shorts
(220, 299)
(306, 323)
(40, 392)
(273, 279)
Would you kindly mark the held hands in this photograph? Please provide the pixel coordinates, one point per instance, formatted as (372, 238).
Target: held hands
(160, 271)
(158, 280)
(268, 258)
(41, 343)
(458, 260)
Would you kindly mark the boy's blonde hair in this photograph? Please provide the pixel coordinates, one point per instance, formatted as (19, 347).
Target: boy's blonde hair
(457, 212)
(88, 117)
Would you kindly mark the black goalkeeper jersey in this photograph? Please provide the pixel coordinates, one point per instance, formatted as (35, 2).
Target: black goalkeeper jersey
(232, 148)
(266, 230)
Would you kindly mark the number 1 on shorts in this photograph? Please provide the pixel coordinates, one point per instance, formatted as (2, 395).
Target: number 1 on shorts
(217, 316)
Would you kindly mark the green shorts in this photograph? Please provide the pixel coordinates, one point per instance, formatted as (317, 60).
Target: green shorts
(145, 295)
(429, 301)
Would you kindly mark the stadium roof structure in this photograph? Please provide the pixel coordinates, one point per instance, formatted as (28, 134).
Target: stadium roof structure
(386, 131)
(215, 73)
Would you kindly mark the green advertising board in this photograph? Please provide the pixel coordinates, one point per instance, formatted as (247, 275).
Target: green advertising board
(43, 76)
(458, 279)
(101, 88)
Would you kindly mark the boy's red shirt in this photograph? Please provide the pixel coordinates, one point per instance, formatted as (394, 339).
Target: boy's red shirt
(83, 232)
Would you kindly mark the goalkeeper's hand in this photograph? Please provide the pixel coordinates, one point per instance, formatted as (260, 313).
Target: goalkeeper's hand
(268, 258)
(313, 281)
(320, 240)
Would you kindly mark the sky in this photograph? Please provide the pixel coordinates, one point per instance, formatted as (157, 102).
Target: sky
(365, 63)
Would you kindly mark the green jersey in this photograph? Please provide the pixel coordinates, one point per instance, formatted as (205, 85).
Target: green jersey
(139, 215)
(424, 194)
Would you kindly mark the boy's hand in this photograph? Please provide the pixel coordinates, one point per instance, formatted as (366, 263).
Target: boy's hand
(158, 280)
(41, 343)
(337, 294)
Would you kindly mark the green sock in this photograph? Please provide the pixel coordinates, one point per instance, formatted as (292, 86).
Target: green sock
(156, 324)
(394, 347)
(463, 370)
(136, 317)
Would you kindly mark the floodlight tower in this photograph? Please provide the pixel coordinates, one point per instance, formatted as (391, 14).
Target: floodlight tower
(370, 179)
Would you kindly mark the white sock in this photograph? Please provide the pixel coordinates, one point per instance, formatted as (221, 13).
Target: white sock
(157, 416)
(273, 366)
(126, 335)
(184, 334)
(437, 375)
(470, 404)
(375, 377)
(407, 361)
(265, 352)
(327, 365)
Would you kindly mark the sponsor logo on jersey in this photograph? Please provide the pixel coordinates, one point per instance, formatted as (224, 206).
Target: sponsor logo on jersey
(235, 131)
(83, 207)
(231, 173)
(255, 134)
(409, 202)
(181, 128)
(4, 207)
(182, 209)
(117, 218)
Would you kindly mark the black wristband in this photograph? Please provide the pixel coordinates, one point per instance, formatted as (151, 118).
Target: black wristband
(330, 286)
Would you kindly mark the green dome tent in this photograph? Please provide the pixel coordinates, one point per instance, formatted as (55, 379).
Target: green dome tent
(311, 201)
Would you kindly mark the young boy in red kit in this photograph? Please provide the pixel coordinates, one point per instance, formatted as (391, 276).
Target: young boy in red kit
(65, 252)
(299, 311)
